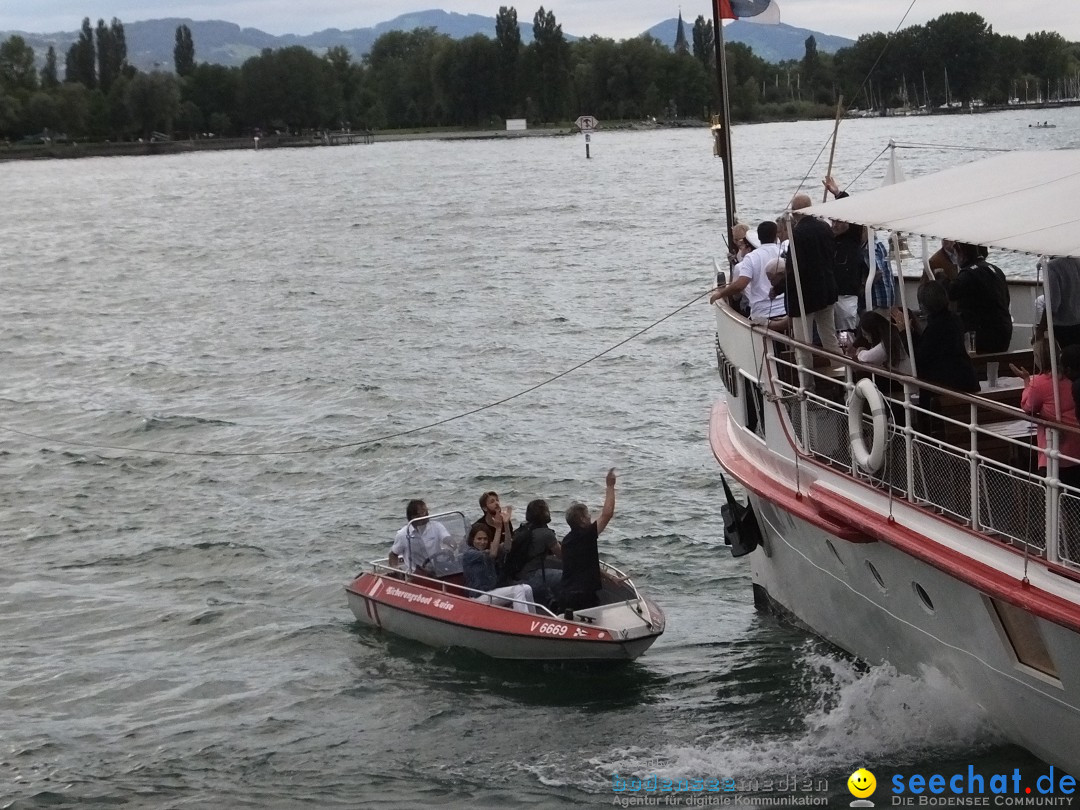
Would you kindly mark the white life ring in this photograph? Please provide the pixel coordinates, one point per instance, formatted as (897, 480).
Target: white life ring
(866, 392)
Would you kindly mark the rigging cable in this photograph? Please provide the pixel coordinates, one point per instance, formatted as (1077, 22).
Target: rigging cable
(869, 73)
(376, 439)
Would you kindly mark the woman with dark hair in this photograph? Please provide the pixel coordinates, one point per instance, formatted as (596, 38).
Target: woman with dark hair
(481, 573)
(879, 343)
(981, 294)
(535, 553)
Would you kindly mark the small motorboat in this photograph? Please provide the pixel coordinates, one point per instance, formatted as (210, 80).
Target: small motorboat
(440, 611)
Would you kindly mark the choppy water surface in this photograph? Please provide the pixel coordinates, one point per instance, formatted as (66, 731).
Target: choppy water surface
(174, 628)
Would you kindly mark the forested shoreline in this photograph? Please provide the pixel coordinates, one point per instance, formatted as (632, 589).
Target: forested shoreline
(424, 79)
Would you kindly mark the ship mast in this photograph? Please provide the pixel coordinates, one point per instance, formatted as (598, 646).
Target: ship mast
(722, 126)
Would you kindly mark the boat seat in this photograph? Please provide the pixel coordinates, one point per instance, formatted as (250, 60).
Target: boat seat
(454, 584)
(617, 616)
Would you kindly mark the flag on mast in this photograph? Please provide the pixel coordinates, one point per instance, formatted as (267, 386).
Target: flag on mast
(757, 11)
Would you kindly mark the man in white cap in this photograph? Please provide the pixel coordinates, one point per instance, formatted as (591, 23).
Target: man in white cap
(749, 278)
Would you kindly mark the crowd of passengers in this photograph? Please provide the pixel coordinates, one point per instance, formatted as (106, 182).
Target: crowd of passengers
(966, 297)
(515, 567)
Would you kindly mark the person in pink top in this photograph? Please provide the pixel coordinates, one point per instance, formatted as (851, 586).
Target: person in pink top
(1038, 400)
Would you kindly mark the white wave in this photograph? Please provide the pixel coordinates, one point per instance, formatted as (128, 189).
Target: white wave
(859, 717)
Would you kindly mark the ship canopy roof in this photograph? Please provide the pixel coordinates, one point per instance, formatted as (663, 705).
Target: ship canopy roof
(1022, 201)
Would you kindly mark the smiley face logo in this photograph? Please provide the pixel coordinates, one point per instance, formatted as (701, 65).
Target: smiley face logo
(862, 783)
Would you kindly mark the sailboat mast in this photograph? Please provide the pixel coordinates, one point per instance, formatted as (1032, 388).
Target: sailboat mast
(722, 131)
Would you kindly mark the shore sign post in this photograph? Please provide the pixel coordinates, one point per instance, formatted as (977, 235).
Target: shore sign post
(587, 123)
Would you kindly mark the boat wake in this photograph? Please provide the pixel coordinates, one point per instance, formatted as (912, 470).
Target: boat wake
(844, 716)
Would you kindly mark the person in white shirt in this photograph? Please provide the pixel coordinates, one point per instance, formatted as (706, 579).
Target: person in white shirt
(749, 278)
(418, 541)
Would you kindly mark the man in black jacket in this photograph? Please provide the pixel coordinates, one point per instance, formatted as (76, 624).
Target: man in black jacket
(810, 296)
(581, 581)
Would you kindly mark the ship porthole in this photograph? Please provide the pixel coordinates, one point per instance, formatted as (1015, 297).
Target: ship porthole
(924, 597)
(877, 577)
(836, 553)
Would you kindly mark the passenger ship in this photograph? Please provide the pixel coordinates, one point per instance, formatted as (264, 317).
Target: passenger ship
(928, 542)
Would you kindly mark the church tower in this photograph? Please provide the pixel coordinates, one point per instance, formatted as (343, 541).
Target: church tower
(680, 37)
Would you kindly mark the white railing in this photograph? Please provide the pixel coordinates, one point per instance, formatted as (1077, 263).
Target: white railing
(935, 460)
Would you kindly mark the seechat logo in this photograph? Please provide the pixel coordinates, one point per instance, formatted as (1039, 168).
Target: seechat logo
(862, 784)
(992, 790)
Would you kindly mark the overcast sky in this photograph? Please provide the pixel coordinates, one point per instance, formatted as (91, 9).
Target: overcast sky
(618, 19)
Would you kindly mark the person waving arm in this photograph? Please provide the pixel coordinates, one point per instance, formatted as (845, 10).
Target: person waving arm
(609, 502)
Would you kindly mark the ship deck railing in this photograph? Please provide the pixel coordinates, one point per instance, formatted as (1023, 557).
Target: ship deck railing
(971, 460)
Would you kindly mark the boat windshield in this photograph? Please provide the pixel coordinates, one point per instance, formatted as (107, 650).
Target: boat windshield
(447, 560)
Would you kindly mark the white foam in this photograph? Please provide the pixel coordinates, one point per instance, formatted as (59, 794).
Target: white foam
(860, 717)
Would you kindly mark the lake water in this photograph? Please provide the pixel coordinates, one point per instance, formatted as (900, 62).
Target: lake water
(174, 627)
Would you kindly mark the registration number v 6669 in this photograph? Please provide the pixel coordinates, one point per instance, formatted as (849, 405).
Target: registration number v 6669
(550, 628)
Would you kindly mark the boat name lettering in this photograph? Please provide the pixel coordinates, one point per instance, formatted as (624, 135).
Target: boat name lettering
(442, 604)
(409, 596)
(550, 628)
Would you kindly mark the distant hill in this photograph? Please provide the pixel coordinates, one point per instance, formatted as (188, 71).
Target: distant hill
(773, 43)
(150, 42)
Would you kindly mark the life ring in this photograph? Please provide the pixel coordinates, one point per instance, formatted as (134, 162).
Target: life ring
(866, 392)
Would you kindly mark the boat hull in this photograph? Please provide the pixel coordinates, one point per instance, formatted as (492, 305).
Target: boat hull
(918, 617)
(447, 619)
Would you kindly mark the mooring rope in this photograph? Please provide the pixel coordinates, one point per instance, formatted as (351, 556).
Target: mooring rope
(345, 445)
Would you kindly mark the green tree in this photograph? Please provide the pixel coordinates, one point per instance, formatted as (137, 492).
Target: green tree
(153, 101)
(10, 115)
(220, 124)
(49, 76)
(1046, 56)
(346, 83)
(43, 113)
(467, 80)
(1002, 78)
(399, 74)
(704, 42)
(189, 121)
(105, 70)
(214, 89)
(550, 63)
(17, 72)
(290, 88)
(111, 52)
(961, 44)
(81, 57)
(73, 99)
(117, 116)
(184, 51)
(508, 36)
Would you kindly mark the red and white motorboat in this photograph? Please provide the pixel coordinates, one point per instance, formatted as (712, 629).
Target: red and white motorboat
(442, 612)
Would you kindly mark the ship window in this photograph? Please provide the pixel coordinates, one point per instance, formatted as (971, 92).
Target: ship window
(877, 577)
(755, 407)
(1023, 634)
(728, 373)
(924, 597)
